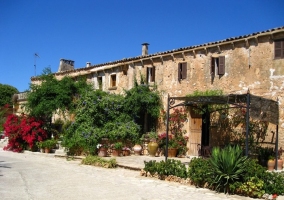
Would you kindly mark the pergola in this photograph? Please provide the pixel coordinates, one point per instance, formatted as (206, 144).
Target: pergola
(256, 108)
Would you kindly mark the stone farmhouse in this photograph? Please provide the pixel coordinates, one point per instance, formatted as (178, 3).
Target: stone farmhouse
(253, 62)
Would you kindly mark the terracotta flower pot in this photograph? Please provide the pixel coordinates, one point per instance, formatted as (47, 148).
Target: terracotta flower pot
(152, 148)
(137, 149)
(172, 152)
(270, 165)
(125, 152)
(47, 150)
(102, 152)
(116, 152)
(279, 164)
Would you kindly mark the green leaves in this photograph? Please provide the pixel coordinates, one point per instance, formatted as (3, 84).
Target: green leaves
(141, 99)
(6, 92)
(200, 172)
(228, 166)
(166, 168)
(53, 95)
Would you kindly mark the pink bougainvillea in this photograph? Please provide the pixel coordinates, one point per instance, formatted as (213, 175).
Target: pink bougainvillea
(23, 131)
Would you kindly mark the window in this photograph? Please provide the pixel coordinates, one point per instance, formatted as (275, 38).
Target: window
(218, 65)
(150, 74)
(182, 71)
(100, 82)
(113, 80)
(279, 49)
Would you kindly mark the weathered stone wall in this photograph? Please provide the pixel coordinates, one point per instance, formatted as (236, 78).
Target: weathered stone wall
(249, 65)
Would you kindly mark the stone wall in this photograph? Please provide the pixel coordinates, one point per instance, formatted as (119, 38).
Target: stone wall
(249, 65)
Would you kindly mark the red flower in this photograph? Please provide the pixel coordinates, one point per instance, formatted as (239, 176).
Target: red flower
(23, 131)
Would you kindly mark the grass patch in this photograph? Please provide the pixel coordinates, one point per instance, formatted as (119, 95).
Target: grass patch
(100, 162)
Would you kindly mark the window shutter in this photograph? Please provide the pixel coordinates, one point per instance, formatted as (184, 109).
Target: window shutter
(153, 74)
(212, 70)
(282, 55)
(184, 70)
(278, 47)
(179, 71)
(147, 74)
(221, 67)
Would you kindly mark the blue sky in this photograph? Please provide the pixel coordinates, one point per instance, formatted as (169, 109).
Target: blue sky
(99, 31)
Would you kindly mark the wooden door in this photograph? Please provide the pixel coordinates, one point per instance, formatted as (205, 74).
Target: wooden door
(195, 136)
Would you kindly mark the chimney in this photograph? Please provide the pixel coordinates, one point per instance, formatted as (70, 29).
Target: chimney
(88, 64)
(145, 49)
(65, 65)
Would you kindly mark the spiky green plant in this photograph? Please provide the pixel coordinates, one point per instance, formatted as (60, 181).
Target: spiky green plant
(228, 166)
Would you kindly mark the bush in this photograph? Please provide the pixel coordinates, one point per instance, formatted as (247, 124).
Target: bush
(200, 172)
(23, 132)
(79, 139)
(166, 168)
(98, 161)
(274, 183)
(229, 166)
(252, 188)
(50, 143)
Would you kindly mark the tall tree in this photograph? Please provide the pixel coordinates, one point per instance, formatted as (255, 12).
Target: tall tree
(6, 93)
(52, 96)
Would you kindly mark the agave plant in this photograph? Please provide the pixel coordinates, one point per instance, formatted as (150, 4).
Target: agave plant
(228, 166)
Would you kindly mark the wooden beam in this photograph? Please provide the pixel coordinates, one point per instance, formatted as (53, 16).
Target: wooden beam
(152, 61)
(162, 61)
(219, 48)
(205, 51)
(247, 43)
(256, 39)
(233, 45)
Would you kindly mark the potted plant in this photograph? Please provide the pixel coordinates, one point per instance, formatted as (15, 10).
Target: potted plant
(172, 147)
(116, 148)
(102, 149)
(137, 148)
(271, 163)
(126, 151)
(47, 145)
(39, 145)
(153, 145)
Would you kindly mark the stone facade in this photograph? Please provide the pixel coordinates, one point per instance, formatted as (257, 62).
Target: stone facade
(234, 65)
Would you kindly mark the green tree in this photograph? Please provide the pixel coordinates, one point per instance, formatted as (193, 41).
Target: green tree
(54, 96)
(6, 93)
(143, 104)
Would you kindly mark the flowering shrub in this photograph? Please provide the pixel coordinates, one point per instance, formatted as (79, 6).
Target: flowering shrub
(177, 138)
(102, 146)
(23, 131)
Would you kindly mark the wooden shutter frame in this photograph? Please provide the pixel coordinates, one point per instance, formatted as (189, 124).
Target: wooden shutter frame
(153, 74)
(179, 72)
(279, 49)
(147, 74)
(221, 67)
(184, 70)
(212, 70)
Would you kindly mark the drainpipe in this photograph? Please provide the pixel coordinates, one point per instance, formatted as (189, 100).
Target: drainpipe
(247, 121)
(167, 130)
